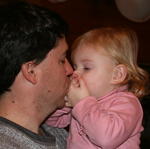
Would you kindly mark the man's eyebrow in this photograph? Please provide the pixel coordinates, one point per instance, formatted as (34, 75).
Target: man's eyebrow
(64, 53)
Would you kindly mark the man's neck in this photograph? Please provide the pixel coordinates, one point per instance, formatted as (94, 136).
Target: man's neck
(20, 114)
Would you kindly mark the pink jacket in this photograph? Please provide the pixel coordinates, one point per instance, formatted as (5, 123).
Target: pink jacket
(110, 122)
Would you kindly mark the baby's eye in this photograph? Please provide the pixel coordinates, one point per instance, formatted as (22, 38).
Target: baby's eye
(86, 68)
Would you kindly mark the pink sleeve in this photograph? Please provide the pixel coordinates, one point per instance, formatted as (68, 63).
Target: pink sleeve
(109, 126)
(61, 118)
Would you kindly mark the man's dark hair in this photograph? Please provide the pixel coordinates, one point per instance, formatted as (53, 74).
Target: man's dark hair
(27, 32)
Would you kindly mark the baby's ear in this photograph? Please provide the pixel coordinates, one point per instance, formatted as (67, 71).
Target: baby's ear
(119, 74)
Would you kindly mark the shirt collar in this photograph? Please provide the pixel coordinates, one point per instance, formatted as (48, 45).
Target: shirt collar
(119, 89)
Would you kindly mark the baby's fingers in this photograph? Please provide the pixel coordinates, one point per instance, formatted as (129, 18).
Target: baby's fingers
(75, 83)
(81, 83)
(67, 102)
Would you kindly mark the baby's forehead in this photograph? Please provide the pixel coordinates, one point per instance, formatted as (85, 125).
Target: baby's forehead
(100, 50)
(87, 53)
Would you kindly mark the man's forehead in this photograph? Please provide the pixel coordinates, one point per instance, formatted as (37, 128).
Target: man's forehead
(58, 52)
(61, 47)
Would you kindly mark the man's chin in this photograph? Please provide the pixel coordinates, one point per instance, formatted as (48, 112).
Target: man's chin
(61, 105)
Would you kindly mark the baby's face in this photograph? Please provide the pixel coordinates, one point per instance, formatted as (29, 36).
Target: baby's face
(96, 68)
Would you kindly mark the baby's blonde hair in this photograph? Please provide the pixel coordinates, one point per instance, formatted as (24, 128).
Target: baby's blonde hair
(122, 45)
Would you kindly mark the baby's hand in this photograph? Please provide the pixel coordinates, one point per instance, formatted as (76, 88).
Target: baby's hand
(77, 91)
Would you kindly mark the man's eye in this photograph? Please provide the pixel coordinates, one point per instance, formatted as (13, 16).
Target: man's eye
(62, 61)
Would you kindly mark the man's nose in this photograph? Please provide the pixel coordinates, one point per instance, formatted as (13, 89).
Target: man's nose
(69, 69)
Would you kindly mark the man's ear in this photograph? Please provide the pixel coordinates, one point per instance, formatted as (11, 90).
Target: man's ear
(28, 72)
(119, 74)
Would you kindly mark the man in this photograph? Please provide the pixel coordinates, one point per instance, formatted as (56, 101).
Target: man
(34, 76)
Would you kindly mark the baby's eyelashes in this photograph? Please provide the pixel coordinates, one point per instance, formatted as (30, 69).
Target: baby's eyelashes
(86, 68)
(82, 68)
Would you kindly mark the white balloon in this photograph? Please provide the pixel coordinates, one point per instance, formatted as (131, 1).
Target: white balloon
(134, 10)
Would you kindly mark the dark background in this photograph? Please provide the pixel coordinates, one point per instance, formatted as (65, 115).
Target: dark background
(83, 15)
